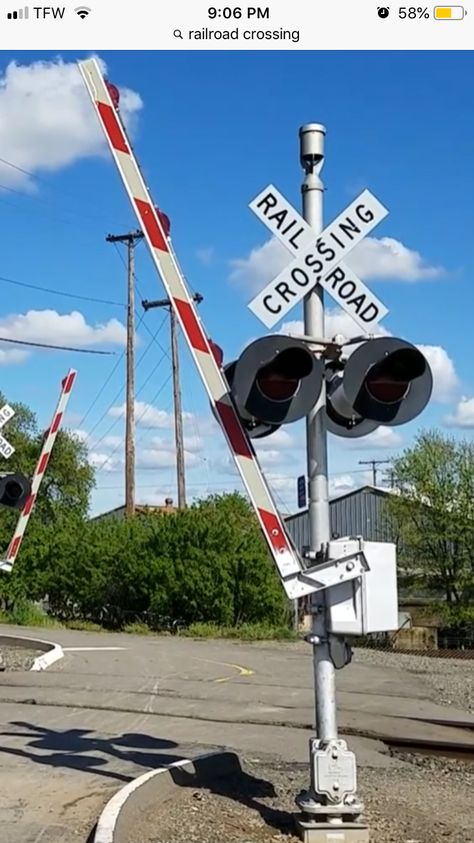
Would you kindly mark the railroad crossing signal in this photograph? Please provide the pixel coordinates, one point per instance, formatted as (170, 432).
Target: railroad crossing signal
(275, 381)
(6, 413)
(318, 258)
(385, 381)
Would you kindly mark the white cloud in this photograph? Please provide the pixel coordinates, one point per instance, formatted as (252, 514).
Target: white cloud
(445, 379)
(340, 484)
(381, 437)
(47, 121)
(151, 458)
(146, 415)
(269, 457)
(391, 259)
(104, 462)
(463, 415)
(81, 435)
(192, 444)
(13, 355)
(280, 439)
(49, 326)
(385, 258)
(263, 263)
(206, 255)
(112, 441)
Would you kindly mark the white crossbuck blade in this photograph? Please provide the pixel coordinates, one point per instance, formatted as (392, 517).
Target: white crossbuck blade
(318, 258)
(6, 413)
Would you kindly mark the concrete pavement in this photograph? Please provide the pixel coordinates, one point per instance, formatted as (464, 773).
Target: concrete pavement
(72, 735)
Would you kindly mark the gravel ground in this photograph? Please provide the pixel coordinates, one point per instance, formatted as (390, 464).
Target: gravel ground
(448, 681)
(425, 801)
(17, 658)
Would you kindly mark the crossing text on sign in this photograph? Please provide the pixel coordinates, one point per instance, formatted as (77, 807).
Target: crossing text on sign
(318, 258)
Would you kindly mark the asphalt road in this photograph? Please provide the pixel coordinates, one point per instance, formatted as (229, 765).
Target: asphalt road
(117, 705)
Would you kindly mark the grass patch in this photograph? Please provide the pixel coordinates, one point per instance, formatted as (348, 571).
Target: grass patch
(244, 632)
(137, 628)
(27, 614)
(84, 626)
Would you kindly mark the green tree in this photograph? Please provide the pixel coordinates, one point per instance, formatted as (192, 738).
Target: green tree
(433, 515)
(61, 506)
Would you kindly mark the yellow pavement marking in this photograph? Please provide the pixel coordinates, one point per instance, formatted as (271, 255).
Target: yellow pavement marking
(243, 671)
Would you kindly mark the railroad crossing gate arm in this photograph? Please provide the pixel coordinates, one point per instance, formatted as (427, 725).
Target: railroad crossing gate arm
(67, 384)
(288, 562)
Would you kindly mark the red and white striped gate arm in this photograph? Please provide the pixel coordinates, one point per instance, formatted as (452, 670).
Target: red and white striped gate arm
(49, 440)
(284, 553)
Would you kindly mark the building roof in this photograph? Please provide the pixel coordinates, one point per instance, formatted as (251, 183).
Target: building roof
(379, 491)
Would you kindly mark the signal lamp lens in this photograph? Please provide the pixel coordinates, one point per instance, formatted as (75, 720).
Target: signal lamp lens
(280, 379)
(388, 381)
(13, 492)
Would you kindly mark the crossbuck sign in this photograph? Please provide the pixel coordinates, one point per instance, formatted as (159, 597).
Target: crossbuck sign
(6, 450)
(318, 258)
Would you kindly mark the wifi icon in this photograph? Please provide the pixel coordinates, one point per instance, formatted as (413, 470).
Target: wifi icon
(82, 11)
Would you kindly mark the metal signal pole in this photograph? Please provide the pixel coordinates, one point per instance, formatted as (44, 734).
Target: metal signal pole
(130, 239)
(312, 159)
(178, 412)
(324, 814)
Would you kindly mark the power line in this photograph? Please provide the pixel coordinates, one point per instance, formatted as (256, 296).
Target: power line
(61, 292)
(117, 394)
(100, 468)
(57, 347)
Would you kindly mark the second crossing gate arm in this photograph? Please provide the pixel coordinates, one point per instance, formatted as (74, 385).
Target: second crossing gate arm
(67, 384)
(285, 555)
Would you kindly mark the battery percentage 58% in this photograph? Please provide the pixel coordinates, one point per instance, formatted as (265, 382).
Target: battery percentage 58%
(413, 12)
(410, 12)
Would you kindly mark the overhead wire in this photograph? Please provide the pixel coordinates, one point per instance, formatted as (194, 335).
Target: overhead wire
(61, 292)
(56, 347)
(122, 387)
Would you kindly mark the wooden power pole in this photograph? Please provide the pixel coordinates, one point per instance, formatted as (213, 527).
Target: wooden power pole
(178, 411)
(130, 239)
(374, 464)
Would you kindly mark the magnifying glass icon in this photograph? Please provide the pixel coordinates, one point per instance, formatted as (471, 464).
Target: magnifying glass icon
(178, 34)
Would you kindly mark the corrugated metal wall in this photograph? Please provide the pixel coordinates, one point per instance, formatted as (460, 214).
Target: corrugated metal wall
(360, 513)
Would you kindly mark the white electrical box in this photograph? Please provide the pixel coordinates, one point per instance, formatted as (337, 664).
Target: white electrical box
(370, 602)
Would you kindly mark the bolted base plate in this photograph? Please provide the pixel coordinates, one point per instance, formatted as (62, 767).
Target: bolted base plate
(331, 833)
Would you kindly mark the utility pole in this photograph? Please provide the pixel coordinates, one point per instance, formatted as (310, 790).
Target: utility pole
(390, 474)
(130, 239)
(178, 411)
(374, 464)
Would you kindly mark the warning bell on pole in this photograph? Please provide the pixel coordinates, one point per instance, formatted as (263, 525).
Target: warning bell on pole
(385, 381)
(276, 380)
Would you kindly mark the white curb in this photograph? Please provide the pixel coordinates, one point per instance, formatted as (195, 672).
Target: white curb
(47, 659)
(52, 652)
(107, 823)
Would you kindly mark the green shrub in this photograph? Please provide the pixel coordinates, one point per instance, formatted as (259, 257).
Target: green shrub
(24, 613)
(84, 626)
(137, 628)
(243, 632)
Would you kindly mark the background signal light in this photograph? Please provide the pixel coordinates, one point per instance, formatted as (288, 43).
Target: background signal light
(82, 11)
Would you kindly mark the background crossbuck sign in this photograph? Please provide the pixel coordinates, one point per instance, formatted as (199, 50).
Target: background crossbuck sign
(6, 413)
(318, 258)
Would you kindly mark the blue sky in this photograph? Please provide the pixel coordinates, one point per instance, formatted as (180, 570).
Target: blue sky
(211, 130)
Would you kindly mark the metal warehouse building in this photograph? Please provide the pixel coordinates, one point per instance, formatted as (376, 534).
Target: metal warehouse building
(360, 512)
